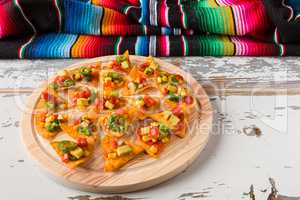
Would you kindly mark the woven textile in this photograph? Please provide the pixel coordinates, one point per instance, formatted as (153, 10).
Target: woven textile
(83, 28)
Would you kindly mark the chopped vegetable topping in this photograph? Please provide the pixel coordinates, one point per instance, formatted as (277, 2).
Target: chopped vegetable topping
(53, 126)
(86, 73)
(121, 58)
(92, 97)
(173, 97)
(69, 83)
(124, 150)
(117, 123)
(66, 146)
(149, 71)
(52, 123)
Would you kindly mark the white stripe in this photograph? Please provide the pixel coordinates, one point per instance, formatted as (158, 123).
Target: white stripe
(32, 26)
(153, 12)
(152, 45)
(27, 20)
(127, 9)
(118, 45)
(290, 8)
(59, 15)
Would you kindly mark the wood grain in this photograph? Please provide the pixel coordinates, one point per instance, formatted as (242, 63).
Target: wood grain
(136, 175)
(239, 74)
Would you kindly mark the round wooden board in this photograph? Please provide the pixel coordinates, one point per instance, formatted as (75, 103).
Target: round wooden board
(141, 173)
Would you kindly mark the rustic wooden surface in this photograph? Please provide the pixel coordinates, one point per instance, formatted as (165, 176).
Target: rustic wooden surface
(232, 162)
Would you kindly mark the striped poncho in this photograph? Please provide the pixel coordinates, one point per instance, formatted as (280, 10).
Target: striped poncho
(90, 28)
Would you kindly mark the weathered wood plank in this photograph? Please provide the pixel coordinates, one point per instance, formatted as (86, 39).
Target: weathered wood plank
(231, 75)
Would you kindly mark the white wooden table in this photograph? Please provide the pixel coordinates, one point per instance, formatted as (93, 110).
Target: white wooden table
(264, 92)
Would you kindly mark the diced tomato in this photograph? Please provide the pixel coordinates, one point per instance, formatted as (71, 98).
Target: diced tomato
(117, 67)
(154, 132)
(177, 111)
(48, 97)
(85, 93)
(65, 158)
(82, 142)
(141, 79)
(59, 80)
(143, 66)
(188, 100)
(98, 103)
(55, 116)
(165, 90)
(45, 95)
(77, 121)
(114, 144)
(114, 100)
(94, 72)
(150, 142)
(120, 111)
(179, 77)
(149, 101)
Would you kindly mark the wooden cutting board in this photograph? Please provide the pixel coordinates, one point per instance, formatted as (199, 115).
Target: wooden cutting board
(140, 173)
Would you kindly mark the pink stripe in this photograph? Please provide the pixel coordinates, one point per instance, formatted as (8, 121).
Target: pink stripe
(250, 18)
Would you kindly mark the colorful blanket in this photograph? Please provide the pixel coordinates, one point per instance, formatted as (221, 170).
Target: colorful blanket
(90, 28)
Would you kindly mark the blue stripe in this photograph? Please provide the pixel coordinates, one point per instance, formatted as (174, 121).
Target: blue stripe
(82, 18)
(144, 12)
(142, 46)
(50, 46)
(295, 4)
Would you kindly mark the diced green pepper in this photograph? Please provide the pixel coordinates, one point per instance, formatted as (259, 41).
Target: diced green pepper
(69, 83)
(85, 130)
(53, 126)
(148, 71)
(117, 123)
(86, 72)
(173, 97)
(66, 146)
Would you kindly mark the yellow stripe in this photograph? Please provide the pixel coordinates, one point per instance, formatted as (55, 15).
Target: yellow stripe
(212, 3)
(228, 46)
(230, 21)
